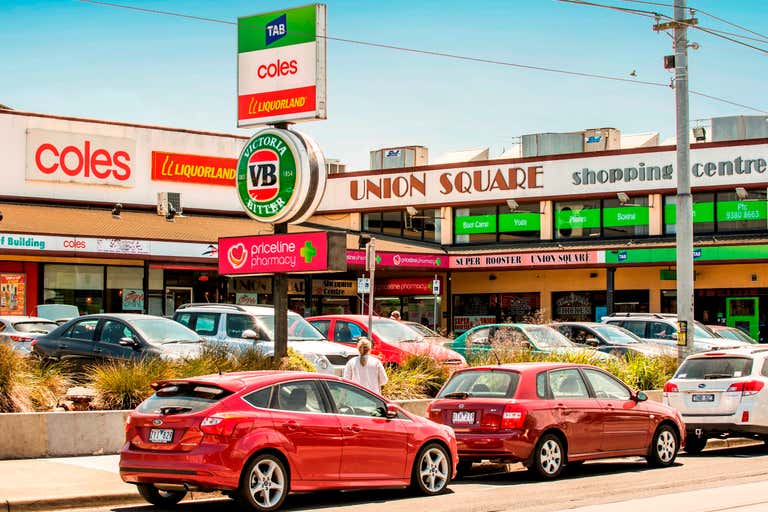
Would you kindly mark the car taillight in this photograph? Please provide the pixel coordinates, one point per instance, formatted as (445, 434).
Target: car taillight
(220, 425)
(17, 338)
(747, 387)
(513, 417)
(670, 387)
(34, 342)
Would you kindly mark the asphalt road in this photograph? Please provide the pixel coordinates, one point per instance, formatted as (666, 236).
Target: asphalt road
(732, 479)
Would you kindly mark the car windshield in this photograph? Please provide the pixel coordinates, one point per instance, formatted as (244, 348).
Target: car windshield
(422, 329)
(616, 335)
(546, 337)
(714, 368)
(164, 330)
(57, 311)
(392, 330)
(41, 327)
(702, 331)
(482, 383)
(182, 397)
(298, 328)
(733, 333)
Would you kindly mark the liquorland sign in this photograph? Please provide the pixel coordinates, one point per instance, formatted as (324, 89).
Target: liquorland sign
(551, 177)
(281, 66)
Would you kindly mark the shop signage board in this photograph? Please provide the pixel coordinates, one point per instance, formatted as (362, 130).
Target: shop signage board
(281, 66)
(400, 260)
(404, 286)
(298, 252)
(528, 260)
(700, 254)
(133, 299)
(475, 224)
(519, 221)
(625, 216)
(207, 170)
(730, 211)
(573, 219)
(463, 323)
(67, 157)
(702, 212)
(334, 287)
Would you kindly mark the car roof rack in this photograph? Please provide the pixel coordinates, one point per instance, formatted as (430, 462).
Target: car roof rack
(220, 305)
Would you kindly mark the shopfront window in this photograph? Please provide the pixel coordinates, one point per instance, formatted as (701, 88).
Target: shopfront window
(474, 309)
(703, 213)
(81, 285)
(424, 225)
(125, 289)
(625, 220)
(577, 219)
(475, 225)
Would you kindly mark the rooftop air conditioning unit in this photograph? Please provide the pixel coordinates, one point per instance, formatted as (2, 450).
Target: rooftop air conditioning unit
(167, 201)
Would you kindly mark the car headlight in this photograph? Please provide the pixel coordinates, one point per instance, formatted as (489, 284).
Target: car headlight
(322, 362)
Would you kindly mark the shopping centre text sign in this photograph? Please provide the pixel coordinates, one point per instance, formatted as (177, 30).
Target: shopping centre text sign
(267, 254)
(281, 66)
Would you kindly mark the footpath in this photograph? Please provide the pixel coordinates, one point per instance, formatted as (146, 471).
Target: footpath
(92, 481)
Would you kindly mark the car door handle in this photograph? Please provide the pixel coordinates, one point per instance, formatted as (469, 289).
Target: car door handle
(291, 425)
(63, 345)
(354, 428)
(98, 350)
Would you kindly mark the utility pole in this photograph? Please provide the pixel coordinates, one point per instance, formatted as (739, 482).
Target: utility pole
(684, 210)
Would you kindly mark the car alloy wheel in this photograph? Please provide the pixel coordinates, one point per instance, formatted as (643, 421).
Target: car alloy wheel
(431, 471)
(664, 447)
(265, 483)
(548, 457)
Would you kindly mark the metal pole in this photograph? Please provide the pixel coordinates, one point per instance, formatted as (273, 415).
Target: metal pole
(434, 313)
(684, 216)
(280, 301)
(371, 263)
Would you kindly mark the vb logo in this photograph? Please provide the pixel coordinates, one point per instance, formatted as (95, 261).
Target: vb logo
(264, 175)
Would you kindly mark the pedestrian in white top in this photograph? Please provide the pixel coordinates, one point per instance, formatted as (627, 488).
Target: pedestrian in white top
(365, 369)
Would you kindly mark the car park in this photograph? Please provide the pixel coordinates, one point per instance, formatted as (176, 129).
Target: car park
(392, 341)
(551, 415)
(721, 394)
(662, 328)
(610, 339)
(482, 339)
(731, 333)
(237, 327)
(258, 436)
(118, 336)
(21, 331)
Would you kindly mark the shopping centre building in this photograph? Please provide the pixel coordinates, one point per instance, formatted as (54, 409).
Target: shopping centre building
(120, 217)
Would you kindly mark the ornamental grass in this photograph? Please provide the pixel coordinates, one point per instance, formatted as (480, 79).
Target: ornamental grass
(28, 385)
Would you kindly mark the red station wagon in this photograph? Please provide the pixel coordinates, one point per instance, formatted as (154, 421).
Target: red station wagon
(257, 436)
(392, 341)
(549, 415)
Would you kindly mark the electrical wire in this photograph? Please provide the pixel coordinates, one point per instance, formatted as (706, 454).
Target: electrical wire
(455, 56)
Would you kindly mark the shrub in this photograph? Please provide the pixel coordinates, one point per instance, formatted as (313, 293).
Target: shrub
(125, 384)
(418, 377)
(26, 384)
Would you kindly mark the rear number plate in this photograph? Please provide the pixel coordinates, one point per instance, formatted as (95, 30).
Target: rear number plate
(703, 398)
(161, 435)
(463, 417)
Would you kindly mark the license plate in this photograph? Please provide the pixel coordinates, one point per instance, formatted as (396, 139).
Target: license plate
(161, 435)
(709, 397)
(463, 417)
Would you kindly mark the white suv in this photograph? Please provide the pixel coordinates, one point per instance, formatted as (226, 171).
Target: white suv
(235, 326)
(661, 328)
(721, 394)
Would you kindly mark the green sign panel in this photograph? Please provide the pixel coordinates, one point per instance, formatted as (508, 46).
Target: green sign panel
(669, 254)
(729, 211)
(625, 216)
(569, 219)
(520, 221)
(475, 224)
(276, 29)
(702, 212)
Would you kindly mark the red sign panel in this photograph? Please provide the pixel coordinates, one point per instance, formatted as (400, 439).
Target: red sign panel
(300, 252)
(404, 286)
(275, 103)
(209, 170)
(397, 259)
(12, 294)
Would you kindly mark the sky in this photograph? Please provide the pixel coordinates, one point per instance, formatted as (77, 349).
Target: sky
(75, 58)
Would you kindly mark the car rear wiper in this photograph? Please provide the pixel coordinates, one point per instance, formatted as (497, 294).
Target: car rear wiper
(174, 409)
(717, 376)
(457, 394)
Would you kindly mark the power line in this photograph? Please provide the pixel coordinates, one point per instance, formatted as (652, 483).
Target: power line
(444, 54)
(708, 31)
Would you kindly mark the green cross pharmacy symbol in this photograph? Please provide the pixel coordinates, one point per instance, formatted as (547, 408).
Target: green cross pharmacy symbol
(308, 252)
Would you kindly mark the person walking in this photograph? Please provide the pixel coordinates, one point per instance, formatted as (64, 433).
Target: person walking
(365, 369)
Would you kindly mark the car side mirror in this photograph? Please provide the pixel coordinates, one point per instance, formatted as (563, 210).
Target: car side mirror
(392, 411)
(592, 342)
(250, 334)
(129, 342)
(674, 335)
(640, 397)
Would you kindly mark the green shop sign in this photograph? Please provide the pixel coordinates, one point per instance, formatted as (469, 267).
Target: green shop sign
(276, 29)
(702, 212)
(700, 254)
(626, 216)
(521, 221)
(729, 211)
(569, 219)
(475, 224)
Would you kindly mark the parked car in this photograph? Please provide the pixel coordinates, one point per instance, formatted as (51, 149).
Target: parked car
(610, 339)
(721, 394)
(238, 327)
(538, 338)
(21, 331)
(392, 341)
(731, 333)
(662, 328)
(259, 436)
(59, 313)
(118, 336)
(426, 333)
(550, 415)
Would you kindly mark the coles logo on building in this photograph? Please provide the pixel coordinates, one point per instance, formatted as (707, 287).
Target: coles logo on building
(80, 158)
(263, 175)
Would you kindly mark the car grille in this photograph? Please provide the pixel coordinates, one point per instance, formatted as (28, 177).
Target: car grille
(338, 359)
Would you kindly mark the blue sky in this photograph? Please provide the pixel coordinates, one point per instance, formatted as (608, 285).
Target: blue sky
(73, 58)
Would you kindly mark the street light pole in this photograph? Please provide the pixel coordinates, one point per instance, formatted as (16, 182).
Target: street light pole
(370, 263)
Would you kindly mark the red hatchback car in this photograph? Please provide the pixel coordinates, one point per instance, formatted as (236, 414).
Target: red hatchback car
(549, 415)
(259, 435)
(392, 340)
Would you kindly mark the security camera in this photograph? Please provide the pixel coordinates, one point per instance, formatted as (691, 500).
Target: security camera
(411, 210)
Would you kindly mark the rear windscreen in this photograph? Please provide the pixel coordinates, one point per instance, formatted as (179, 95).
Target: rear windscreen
(714, 368)
(182, 398)
(482, 383)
